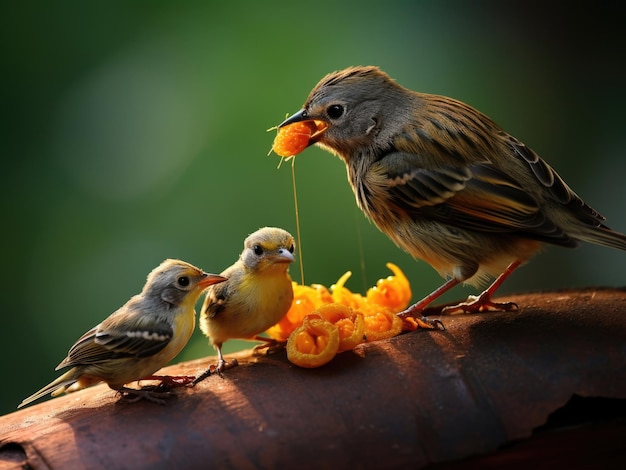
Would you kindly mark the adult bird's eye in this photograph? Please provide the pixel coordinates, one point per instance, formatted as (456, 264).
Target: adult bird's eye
(183, 281)
(258, 250)
(334, 111)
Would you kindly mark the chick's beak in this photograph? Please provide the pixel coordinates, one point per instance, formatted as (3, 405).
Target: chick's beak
(284, 256)
(210, 279)
(302, 116)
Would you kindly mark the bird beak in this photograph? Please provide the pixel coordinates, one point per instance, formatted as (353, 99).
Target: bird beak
(302, 116)
(284, 256)
(297, 117)
(211, 279)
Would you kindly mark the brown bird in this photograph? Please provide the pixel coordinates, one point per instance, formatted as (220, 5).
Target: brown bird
(446, 183)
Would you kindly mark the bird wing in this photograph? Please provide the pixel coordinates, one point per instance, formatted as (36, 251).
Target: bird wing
(132, 335)
(217, 297)
(550, 179)
(475, 196)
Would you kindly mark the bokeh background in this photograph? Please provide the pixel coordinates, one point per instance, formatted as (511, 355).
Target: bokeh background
(136, 131)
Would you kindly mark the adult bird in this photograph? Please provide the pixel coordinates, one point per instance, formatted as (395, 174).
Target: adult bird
(446, 183)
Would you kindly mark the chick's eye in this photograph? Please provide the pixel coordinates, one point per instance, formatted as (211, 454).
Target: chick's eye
(258, 250)
(183, 281)
(291, 248)
(334, 111)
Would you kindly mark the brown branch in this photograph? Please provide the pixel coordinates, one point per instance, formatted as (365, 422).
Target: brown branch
(417, 399)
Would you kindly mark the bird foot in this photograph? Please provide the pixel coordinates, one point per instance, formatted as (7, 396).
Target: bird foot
(412, 320)
(152, 393)
(221, 366)
(269, 346)
(480, 303)
(172, 380)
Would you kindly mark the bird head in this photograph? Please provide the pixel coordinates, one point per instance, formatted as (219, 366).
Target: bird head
(269, 248)
(354, 110)
(173, 280)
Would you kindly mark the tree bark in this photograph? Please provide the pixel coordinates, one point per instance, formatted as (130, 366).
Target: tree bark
(479, 393)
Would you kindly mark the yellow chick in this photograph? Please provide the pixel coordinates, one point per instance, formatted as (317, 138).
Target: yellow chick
(256, 296)
(137, 339)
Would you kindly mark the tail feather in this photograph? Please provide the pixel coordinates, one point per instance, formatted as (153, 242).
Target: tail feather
(603, 236)
(55, 387)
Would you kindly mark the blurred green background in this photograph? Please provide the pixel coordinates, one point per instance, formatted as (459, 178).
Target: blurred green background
(136, 131)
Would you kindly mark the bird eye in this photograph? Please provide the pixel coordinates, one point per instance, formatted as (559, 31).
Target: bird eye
(334, 111)
(291, 248)
(183, 281)
(258, 250)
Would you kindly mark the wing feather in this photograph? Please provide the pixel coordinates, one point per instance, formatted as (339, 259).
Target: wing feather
(139, 336)
(477, 197)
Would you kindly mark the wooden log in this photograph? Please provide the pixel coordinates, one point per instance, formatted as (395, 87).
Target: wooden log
(477, 391)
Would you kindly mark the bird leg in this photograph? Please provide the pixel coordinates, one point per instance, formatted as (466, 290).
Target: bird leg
(153, 394)
(474, 304)
(270, 345)
(222, 366)
(415, 310)
(483, 302)
(203, 376)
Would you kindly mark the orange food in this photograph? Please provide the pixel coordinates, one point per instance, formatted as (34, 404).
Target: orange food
(314, 343)
(294, 138)
(393, 292)
(348, 321)
(317, 315)
(305, 300)
(381, 323)
(343, 295)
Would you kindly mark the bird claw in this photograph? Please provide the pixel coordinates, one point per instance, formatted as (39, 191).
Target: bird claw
(172, 380)
(222, 366)
(413, 321)
(270, 346)
(151, 393)
(478, 304)
(202, 376)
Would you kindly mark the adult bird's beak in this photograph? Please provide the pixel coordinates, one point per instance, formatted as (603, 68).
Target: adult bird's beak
(297, 117)
(302, 116)
(210, 279)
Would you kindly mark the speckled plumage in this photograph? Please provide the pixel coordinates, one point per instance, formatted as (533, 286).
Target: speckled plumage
(443, 181)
